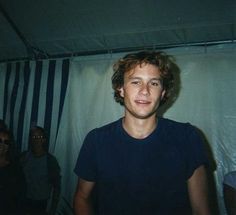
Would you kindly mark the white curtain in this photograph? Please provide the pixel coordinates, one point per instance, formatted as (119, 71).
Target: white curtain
(207, 99)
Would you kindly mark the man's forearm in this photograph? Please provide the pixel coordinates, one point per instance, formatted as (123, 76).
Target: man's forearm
(83, 206)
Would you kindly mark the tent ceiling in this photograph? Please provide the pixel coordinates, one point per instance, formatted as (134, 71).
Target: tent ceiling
(57, 27)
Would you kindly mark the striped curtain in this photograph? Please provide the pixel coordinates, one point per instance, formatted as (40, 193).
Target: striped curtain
(37, 93)
(33, 93)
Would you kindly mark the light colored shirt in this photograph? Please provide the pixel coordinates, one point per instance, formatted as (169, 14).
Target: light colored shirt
(230, 179)
(37, 178)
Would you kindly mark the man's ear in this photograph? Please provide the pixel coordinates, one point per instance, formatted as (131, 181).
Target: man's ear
(121, 91)
(163, 94)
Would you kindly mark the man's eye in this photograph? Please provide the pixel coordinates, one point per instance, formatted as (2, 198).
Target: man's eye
(135, 82)
(155, 83)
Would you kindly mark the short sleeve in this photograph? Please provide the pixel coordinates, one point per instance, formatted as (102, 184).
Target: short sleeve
(85, 167)
(195, 150)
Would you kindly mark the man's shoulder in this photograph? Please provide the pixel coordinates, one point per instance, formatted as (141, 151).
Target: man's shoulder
(174, 124)
(107, 128)
(51, 158)
(110, 125)
(176, 128)
(100, 134)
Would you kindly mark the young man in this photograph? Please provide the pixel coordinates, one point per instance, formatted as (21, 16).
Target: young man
(142, 164)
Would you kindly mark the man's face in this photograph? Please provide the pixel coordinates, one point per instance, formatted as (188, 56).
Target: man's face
(4, 143)
(142, 91)
(37, 139)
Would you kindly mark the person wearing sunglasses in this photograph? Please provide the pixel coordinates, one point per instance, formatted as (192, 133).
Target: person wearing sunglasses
(12, 183)
(42, 173)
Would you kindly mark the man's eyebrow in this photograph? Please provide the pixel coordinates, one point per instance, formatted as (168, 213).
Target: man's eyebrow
(137, 77)
(134, 77)
(158, 79)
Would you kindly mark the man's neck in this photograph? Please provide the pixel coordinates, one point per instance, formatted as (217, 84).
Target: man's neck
(39, 153)
(139, 128)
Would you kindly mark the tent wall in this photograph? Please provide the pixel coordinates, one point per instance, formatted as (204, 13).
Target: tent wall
(40, 93)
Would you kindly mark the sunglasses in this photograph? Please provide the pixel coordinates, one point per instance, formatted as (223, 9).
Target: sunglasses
(6, 142)
(37, 137)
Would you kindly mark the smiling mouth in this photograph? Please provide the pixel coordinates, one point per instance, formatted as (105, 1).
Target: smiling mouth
(142, 102)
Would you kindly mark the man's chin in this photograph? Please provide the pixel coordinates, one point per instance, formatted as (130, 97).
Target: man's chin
(145, 116)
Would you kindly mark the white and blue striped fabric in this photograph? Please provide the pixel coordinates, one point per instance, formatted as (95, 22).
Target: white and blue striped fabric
(33, 93)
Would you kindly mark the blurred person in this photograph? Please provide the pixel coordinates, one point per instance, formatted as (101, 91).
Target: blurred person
(229, 192)
(143, 164)
(42, 173)
(12, 183)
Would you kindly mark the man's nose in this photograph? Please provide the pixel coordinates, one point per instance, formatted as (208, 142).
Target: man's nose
(144, 89)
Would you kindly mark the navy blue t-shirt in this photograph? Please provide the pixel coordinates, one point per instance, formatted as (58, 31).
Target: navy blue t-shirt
(141, 176)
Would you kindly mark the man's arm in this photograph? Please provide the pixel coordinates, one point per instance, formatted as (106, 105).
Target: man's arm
(82, 198)
(198, 192)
